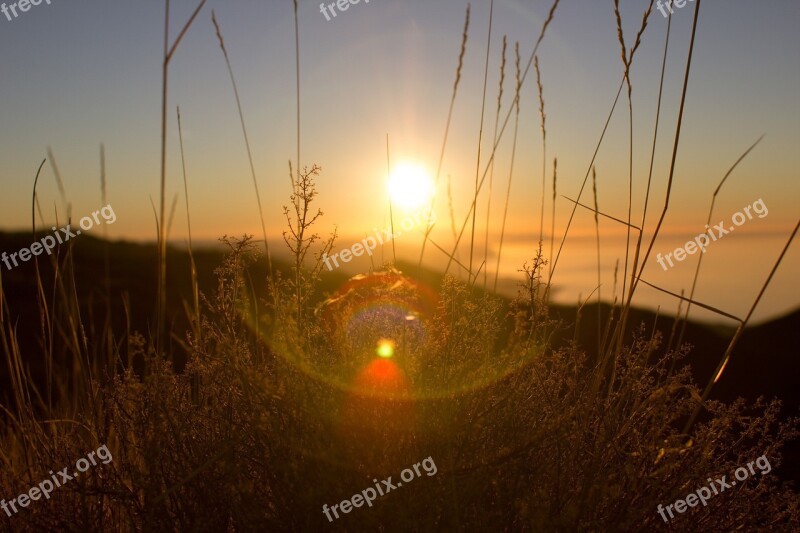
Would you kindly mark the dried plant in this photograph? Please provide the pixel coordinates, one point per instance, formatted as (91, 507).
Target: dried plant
(262, 425)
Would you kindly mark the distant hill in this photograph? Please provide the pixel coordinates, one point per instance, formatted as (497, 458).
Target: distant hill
(766, 362)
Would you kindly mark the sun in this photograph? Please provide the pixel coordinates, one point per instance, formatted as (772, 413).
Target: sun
(410, 186)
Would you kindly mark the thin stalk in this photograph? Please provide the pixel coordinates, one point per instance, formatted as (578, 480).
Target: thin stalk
(655, 141)
(726, 358)
(628, 61)
(708, 221)
(670, 179)
(543, 124)
(447, 131)
(588, 208)
(391, 216)
(674, 148)
(162, 237)
(491, 171)
(480, 132)
(599, 280)
(43, 311)
(652, 160)
(452, 213)
(297, 73)
(59, 181)
(553, 221)
(169, 51)
(674, 329)
(699, 304)
(586, 177)
(511, 168)
(246, 140)
(172, 213)
(106, 257)
(195, 288)
(502, 129)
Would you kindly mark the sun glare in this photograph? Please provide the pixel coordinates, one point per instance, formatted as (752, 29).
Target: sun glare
(410, 186)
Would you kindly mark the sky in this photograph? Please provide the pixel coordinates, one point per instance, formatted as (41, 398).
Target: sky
(74, 75)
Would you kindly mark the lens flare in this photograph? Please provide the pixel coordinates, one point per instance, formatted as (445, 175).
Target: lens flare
(399, 324)
(385, 348)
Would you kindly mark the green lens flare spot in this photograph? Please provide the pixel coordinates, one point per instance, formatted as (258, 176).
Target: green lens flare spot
(385, 348)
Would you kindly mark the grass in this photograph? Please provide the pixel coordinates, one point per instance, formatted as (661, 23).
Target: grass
(280, 406)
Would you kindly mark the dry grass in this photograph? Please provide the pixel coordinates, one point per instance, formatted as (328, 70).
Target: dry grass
(275, 413)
